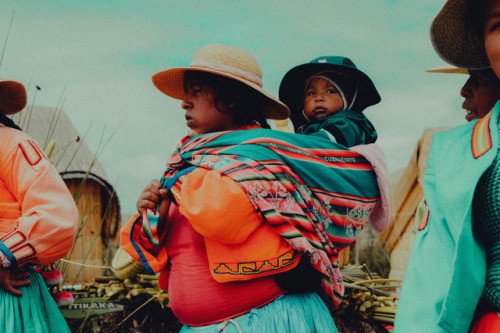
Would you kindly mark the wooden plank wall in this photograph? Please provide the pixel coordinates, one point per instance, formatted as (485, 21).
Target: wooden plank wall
(408, 192)
(404, 201)
(405, 198)
(89, 247)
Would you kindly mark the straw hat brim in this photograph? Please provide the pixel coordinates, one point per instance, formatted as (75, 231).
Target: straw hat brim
(291, 90)
(455, 41)
(171, 83)
(448, 69)
(12, 96)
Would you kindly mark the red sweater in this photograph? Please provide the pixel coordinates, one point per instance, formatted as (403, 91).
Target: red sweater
(195, 297)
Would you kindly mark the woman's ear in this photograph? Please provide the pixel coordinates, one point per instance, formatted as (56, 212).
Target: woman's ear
(225, 107)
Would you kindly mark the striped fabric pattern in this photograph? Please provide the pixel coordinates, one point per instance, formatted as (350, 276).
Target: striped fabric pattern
(481, 137)
(317, 194)
(150, 223)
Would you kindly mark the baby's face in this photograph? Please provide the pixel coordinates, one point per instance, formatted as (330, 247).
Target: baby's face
(322, 99)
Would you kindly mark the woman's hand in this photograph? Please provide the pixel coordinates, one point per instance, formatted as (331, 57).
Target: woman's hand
(10, 279)
(151, 196)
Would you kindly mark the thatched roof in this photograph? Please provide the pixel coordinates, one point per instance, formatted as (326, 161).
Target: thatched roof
(71, 155)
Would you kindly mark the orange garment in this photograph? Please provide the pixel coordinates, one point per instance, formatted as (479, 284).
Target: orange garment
(240, 245)
(38, 217)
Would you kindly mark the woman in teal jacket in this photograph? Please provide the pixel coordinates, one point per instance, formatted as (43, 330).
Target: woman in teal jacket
(454, 260)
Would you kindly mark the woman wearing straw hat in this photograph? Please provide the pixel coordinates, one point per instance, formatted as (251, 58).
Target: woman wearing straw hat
(455, 261)
(481, 91)
(38, 220)
(241, 204)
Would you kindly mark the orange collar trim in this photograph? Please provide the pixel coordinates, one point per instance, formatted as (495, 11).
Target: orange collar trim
(481, 137)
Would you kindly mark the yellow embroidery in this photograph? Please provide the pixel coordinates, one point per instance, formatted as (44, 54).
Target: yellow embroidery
(23, 253)
(15, 242)
(13, 239)
(250, 268)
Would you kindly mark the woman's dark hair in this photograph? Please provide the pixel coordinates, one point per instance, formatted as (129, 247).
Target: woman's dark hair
(475, 15)
(6, 121)
(247, 104)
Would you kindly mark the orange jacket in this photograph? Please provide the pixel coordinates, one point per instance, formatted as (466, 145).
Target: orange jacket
(38, 216)
(240, 245)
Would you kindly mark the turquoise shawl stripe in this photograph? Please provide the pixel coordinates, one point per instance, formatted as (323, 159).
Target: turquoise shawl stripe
(316, 194)
(266, 146)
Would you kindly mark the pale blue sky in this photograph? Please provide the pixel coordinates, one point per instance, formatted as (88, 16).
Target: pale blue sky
(100, 56)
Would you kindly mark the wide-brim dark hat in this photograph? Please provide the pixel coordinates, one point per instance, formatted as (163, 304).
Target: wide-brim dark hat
(291, 90)
(455, 40)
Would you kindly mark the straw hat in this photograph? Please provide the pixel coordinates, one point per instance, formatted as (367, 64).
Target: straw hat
(12, 96)
(225, 61)
(454, 40)
(293, 84)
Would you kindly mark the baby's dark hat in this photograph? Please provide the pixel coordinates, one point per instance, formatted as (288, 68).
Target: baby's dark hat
(291, 90)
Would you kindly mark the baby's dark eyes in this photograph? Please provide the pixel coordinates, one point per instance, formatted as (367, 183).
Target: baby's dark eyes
(328, 91)
(493, 26)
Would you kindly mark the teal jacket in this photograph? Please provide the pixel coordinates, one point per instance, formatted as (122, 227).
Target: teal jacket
(446, 272)
(348, 128)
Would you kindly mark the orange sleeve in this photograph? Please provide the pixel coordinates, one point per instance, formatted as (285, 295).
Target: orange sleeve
(135, 243)
(217, 207)
(47, 226)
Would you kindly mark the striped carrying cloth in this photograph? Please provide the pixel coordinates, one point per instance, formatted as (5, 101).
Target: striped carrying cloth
(317, 194)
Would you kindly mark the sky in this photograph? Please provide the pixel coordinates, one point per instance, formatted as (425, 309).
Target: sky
(95, 59)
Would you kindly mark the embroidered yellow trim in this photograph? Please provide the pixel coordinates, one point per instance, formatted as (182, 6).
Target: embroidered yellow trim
(250, 268)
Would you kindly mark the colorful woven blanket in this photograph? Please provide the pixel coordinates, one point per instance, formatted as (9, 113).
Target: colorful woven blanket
(317, 194)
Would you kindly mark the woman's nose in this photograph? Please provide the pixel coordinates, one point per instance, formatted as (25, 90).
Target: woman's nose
(185, 104)
(466, 90)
